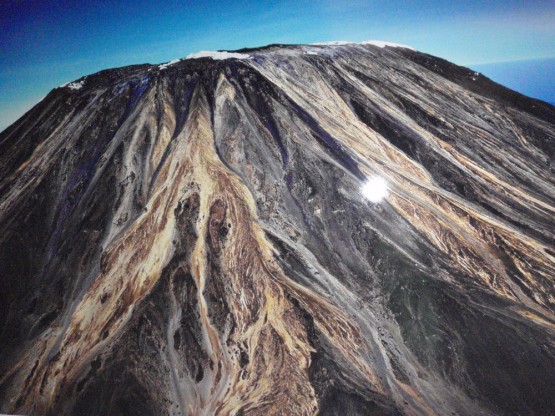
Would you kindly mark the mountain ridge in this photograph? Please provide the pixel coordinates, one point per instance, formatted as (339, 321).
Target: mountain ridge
(514, 95)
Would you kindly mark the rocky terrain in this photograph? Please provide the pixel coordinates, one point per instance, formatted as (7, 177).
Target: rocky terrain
(193, 239)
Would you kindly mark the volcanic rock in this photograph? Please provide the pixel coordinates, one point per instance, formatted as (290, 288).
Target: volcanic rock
(192, 239)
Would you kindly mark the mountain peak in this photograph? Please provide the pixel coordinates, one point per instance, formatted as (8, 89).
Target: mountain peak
(378, 43)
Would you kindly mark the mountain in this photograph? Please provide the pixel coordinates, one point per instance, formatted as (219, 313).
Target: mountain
(336, 229)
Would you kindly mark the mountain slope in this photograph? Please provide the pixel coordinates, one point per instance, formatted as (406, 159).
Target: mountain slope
(191, 238)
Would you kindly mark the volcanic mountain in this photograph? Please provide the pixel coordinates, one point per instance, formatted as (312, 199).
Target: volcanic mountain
(332, 229)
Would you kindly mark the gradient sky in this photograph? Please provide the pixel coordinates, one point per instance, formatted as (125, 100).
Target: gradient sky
(46, 43)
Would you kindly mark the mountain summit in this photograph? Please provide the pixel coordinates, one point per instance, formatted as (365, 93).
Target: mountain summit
(332, 229)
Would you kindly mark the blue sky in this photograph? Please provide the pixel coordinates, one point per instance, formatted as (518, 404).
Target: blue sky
(46, 43)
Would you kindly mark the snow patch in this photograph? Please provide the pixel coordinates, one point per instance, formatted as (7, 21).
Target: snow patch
(164, 66)
(383, 44)
(311, 53)
(378, 43)
(74, 85)
(218, 55)
(332, 43)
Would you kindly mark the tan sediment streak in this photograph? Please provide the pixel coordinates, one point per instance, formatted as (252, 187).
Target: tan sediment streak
(275, 380)
(267, 325)
(131, 265)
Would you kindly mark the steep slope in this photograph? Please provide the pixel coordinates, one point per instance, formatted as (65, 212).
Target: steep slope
(191, 238)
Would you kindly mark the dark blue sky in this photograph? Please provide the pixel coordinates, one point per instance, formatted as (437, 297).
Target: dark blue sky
(46, 43)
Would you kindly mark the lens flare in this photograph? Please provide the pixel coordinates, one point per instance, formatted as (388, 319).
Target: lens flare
(374, 189)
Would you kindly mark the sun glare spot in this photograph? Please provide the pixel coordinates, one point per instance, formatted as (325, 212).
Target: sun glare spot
(374, 189)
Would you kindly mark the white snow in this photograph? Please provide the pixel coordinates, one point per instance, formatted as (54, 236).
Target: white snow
(311, 53)
(383, 44)
(332, 43)
(164, 66)
(75, 85)
(379, 43)
(217, 55)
